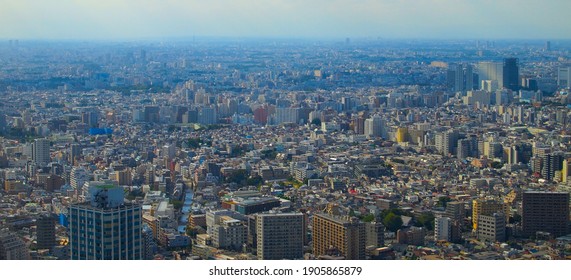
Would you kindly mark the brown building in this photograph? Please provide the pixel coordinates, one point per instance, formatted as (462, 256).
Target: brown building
(344, 235)
(411, 236)
(123, 177)
(54, 182)
(546, 212)
(197, 220)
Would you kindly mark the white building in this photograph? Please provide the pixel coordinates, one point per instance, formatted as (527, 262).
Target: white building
(442, 228)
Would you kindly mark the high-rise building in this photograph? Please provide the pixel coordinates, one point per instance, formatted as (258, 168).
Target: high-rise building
(375, 234)
(152, 114)
(207, 115)
(346, 236)
(46, 232)
(261, 115)
(511, 73)
(280, 236)
(41, 152)
(491, 71)
(105, 228)
(545, 212)
(74, 153)
(460, 78)
(464, 149)
(374, 126)
(287, 115)
(492, 227)
(564, 77)
(442, 229)
(446, 142)
(12, 247)
(124, 177)
(228, 233)
(487, 207)
(456, 212)
(77, 177)
(552, 163)
(565, 170)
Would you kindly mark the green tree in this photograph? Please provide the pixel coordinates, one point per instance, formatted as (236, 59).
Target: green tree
(425, 220)
(239, 177)
(368, 218)
(443, 201)
(255, 180)
(392, 222)
(177, 204)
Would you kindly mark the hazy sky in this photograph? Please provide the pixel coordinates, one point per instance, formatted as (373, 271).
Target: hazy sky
(147, 19)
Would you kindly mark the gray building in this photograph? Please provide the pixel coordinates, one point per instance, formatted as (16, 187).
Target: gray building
(280, 236)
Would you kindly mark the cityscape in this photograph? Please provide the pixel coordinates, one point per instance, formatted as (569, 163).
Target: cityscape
(245, 148)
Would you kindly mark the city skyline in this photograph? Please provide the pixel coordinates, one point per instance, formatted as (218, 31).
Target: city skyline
(152, 19)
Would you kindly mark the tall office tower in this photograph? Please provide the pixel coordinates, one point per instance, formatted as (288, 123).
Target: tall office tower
(491, 71)
(12, 247)
(105, 228)
(446, 142)
(511, 73)
(46, 232)
(152, 114)
(456, 212)
(492, 227)
(464, 149)
(280, 236)
(458, 78)
(261, 115)
(547, 46)
(124, 177)
(552, 162)
(336, 234)
(545, 212)
(469, 77)
(41, 152)
(207, 115)
(359, 125)
(487, 207)
(374, 126)
(375, 234)
(91, 118)
(451, 78)
(521, 153)
(74, 153)
(442, 229)
(348, 103)
(564, 77)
